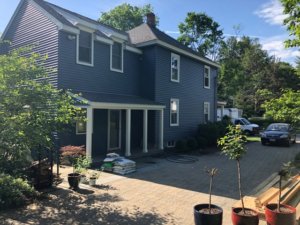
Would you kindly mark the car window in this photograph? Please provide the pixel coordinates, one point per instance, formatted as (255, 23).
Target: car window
(278, 127)
(246, 122)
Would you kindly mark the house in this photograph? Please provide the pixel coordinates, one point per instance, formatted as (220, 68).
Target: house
(143, 89)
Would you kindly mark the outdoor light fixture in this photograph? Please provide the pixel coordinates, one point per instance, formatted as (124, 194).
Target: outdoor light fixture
(71, 37)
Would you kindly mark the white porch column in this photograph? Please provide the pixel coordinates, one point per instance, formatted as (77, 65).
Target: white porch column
(89, 131)
(128, 132)
(145, 132)
(161, 130)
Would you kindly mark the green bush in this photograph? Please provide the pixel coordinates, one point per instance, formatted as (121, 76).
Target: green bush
(181, 145)
(212, 131)
(192, 144)
(14, 191)
(202, 142)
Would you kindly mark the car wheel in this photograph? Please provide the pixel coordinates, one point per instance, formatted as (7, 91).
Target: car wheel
(263, 142)
(247, 132)
(294, 141)
(288, 143)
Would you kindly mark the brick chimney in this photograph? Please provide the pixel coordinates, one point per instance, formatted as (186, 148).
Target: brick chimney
(151, 19)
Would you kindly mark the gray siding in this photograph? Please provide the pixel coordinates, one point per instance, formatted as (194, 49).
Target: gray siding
(98, 78)
(189, 91)
(31, 27)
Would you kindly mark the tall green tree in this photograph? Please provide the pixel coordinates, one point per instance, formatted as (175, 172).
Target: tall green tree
(31, 109)
(292, 22)
(125, 16)
(201, 33)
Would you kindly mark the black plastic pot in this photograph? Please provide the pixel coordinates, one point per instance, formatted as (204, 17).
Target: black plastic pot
(238, 219)
(74, 179)
(207, 219)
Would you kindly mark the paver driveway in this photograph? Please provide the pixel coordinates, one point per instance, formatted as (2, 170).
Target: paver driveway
(161, 192)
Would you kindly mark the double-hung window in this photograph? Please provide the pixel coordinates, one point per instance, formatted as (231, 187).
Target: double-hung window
(206, 112)
(116, 57)
(81, 126)
(174, 112)
(206, 77)
(85, 51)
(175, 67)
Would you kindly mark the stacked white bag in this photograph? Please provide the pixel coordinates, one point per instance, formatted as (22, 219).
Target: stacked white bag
(124, 166)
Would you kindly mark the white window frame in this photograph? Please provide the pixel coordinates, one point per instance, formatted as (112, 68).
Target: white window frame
(171, 144)
(173, 55)
(122, 55)
(204, 77)
(92, 51)
(177, 103)
(206, 104)
(120, 130)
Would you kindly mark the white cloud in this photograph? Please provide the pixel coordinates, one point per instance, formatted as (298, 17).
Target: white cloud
(275, 46)
(271, 12)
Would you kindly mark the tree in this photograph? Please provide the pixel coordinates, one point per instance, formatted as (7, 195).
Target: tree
(292, 9)
(201, 33)
(31, 109)
(286, 108)
(125, 17)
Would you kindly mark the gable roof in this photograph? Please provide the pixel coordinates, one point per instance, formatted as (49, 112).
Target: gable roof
(145, 35)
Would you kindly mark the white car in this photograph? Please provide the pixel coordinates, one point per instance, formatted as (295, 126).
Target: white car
(246, 126)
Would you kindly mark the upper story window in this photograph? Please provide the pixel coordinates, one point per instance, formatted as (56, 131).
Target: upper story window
(206, 77)
(174, 112)
(116, 57)
(206, 112)
(85, 48)
(175, 67)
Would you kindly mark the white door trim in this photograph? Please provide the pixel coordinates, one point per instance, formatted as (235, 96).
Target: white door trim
(108, 130)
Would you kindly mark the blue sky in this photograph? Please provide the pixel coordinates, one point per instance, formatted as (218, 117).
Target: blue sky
(257, 18)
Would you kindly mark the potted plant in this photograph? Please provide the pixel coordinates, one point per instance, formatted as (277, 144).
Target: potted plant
(93, 178)
(278, 214)
(81, 165)
(233, 146)
(72, 153)
(208, 214)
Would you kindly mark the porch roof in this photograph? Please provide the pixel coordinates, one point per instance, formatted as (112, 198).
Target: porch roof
(111, 101)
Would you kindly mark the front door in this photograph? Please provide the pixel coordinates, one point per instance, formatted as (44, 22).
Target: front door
(114, 129)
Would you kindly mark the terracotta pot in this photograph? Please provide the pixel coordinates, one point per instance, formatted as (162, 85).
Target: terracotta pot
(238, 219)
(279, 218)
(207, 219)
(74, 179)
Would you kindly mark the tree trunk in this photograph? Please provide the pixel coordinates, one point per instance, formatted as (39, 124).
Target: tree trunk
(240, 185)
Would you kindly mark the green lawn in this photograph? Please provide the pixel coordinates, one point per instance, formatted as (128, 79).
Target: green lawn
(253, 139)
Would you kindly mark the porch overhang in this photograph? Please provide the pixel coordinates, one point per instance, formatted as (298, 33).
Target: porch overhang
(91, 101)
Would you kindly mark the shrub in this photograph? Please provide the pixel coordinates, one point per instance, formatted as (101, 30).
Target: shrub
(14, 191)
(202, 142)
(212, 131)
(181, 145)
(69, 153)
(192, 144)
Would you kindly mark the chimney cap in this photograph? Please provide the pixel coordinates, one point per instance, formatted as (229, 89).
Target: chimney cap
(151, 21)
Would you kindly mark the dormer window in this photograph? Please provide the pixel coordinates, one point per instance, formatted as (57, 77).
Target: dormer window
(175, 67)
(85, 48)
(116, 57)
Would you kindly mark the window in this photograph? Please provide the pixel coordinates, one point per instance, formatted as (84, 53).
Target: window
(116, 57)
(171, 144)
(85, 51)
(206, 112)
(81, 127)
(175, 67)
(206, 77)
(174, 112)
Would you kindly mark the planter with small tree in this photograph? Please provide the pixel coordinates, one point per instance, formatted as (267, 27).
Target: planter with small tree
(279, 214)
(233, 146)
(208, 214)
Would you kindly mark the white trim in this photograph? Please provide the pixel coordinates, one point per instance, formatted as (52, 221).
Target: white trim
(128, 132)
(161, 130)
(89, 131)
(179, 50)
(133, 49)
(172, 145)
(208, 105)
(92, 51)
(207, 87)
(177, 57)
(145, 131)
(103, 40)
(122, 57)
(177, 111)
(108, 130)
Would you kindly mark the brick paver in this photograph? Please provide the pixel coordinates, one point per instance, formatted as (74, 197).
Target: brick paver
(160, 192)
